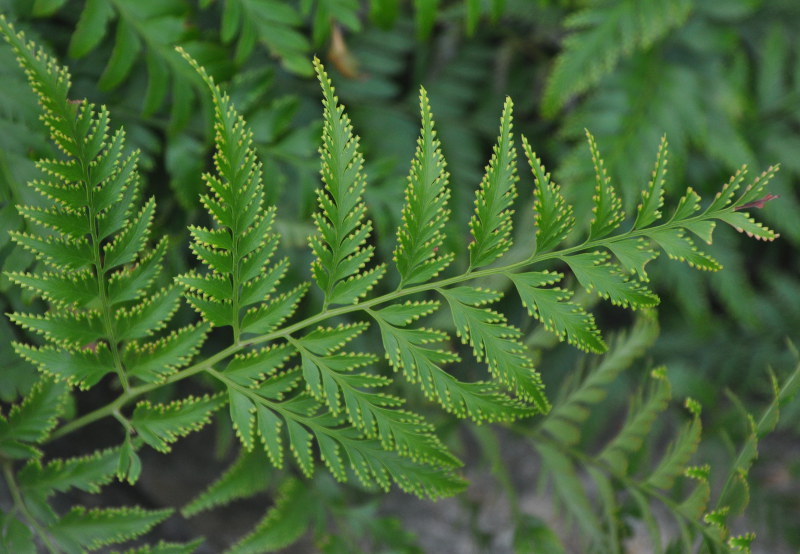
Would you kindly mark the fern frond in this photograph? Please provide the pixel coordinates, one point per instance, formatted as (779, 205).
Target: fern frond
(641, 416)
(96, 238)
(491, 223)
(330, 378)
(340, 247)
(244, 478)
(653, 196)
(275, 24)
(594, 273)
(237, 290)
(603, 34)
(607, 212)
(102, 526)
(162, 424)
(283, 523)
(275, 406)
(613, 471)
(554, 218)
(425, 211)
(87, 473)
(565, 420)
(552, 307)
(31, 421)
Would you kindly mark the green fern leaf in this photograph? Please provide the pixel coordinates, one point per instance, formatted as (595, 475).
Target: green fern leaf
(677, 456)
(653, 196)
(565, 420)
(601, 35)
(91, 28)
(491, 223)
(607, 212)
(251, 368)
(275, 24)
(413, 351)
(131, 240)
(244, 478)
(340, 245)
(128, 285)
(594, 273)
(637, 425)
(237, 290)
(81, 528)
(154, 360)
(32, 420)
(554, 218)
(148, 316)
(678, 246)
(633, 255)
(330, 379)
(551, 306)
(425, 211)
(86, 473)
(81, 368)
(162, 424)
(269, 316)
(495, 341)
(76, 289)
(283, 524)
(114, 304)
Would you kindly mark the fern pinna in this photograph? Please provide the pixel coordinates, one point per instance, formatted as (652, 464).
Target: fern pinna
(308, 384)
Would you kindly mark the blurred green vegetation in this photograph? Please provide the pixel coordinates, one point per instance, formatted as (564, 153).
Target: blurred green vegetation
(721, 78)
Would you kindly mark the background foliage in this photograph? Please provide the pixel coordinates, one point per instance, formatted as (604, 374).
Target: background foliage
(721, 78)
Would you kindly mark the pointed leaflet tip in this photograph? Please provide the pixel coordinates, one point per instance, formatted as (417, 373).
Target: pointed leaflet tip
(757, 203)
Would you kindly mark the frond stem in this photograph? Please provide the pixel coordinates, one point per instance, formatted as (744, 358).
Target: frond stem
(19, 504)
(208, 363)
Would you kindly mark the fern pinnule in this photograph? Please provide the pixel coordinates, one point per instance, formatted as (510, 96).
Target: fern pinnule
(552, 307)
(96, 242)
(607, 212)
(421, 354)
(497, 342)
(340, 247)
(653, 196)
(491, 224)
(237, 290)
(425, 211)
(554, 218)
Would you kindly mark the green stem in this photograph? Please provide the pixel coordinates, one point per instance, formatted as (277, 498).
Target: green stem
(207, 364)
(19, 504)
